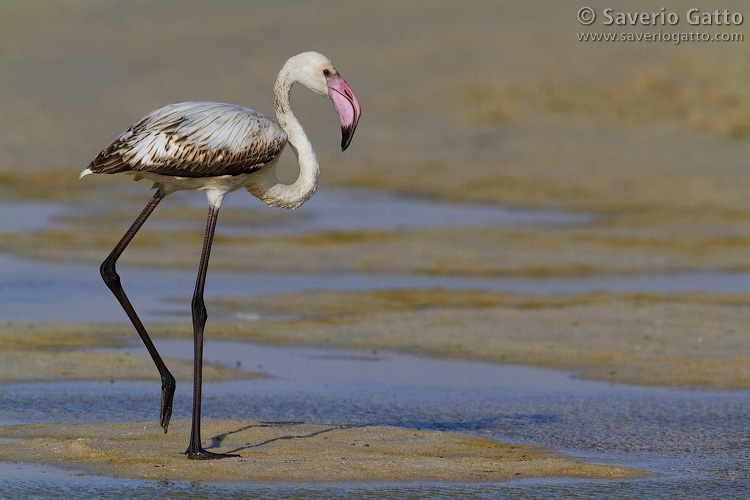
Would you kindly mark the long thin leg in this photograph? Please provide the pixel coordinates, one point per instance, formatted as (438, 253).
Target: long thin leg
(195, 449)
(112, 279)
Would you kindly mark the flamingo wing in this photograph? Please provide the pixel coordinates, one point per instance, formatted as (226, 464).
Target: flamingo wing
(194, 139)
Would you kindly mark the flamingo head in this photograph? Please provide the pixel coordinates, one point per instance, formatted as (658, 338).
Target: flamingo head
(318, 73)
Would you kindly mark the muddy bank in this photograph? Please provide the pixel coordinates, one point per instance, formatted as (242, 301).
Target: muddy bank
(290, 452)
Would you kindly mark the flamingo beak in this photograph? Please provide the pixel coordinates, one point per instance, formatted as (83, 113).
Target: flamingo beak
(347, 107)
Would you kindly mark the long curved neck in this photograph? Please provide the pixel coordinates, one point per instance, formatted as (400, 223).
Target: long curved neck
(272, 191)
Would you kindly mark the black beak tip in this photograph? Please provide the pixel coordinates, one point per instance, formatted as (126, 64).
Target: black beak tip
(346, 137)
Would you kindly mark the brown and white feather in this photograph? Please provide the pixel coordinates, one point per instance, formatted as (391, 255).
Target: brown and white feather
(194, 139)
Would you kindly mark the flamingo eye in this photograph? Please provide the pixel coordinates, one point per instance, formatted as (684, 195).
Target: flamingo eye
(326, 72)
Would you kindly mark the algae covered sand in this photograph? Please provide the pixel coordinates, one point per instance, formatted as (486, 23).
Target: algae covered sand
(291, 452)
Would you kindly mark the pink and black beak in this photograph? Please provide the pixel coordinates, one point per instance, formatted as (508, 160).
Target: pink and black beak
(346, 105)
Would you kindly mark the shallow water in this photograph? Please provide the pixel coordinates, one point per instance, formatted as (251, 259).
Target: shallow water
(695, 439)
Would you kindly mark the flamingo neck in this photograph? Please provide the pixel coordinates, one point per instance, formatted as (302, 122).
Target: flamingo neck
(269, 188)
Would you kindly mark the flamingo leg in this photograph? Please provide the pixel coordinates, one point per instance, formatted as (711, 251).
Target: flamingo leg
(112, 279)
(195, 449)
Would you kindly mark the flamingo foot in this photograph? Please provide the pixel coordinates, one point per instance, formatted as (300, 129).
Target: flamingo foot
(201, 454)
(167, 395)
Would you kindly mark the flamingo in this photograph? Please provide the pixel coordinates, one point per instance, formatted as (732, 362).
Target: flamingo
(218, 148)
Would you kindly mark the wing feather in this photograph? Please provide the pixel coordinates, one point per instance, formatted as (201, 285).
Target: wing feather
(194, 139)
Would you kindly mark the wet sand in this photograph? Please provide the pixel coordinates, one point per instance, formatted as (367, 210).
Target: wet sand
(291, 452)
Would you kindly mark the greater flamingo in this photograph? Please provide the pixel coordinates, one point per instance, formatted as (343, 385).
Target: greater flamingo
(219, 148)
